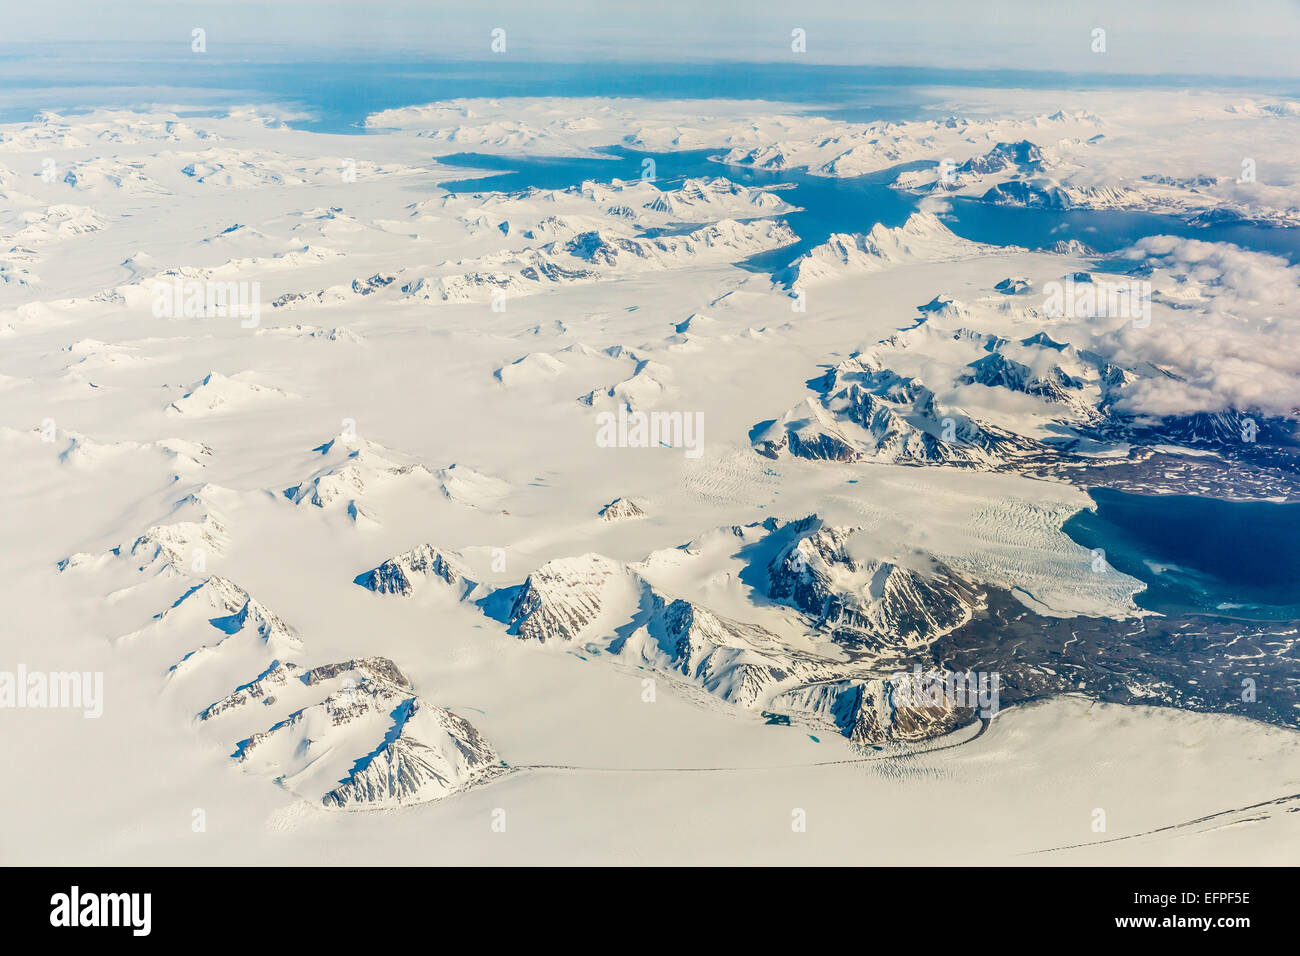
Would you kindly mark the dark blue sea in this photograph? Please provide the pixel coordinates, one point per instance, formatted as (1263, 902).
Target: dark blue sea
(1234, 558)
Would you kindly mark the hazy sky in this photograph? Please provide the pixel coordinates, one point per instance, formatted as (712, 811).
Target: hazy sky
(1247, 38)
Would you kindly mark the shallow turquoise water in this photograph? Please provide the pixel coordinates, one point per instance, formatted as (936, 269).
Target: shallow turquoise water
(1239, 559)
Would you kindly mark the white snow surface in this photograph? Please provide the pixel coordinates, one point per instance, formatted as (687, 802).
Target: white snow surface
(191, 500)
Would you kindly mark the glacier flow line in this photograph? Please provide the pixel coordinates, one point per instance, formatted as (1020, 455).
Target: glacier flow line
(983, 721)
(1276, 801)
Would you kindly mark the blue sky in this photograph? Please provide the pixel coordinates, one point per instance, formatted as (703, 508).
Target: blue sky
(1250, 38)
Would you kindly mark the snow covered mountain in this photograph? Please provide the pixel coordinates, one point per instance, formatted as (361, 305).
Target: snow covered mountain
(869, 601)
(1007, 400)
(406, 572)
(373, 546)
(388, 747)
(923, 238)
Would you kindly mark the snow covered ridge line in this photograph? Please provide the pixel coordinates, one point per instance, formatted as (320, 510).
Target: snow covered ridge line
(629, 429)
(921, 646)
(368, 742)
(603, 253)
(1107, 170)
(747, 133)
(883, 615)
(196, 299)
(72, 690)
(1075, 384)
(922, 238)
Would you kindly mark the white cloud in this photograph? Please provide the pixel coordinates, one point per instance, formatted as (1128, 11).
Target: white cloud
(1159, 36)
(1233, 343)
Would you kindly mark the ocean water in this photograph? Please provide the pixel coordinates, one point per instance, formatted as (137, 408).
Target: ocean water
(336, 90)
(1233, 558)
(335, 94)
(831, 205)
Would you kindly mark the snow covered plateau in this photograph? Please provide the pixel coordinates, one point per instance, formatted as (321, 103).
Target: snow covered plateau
(603, 523)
